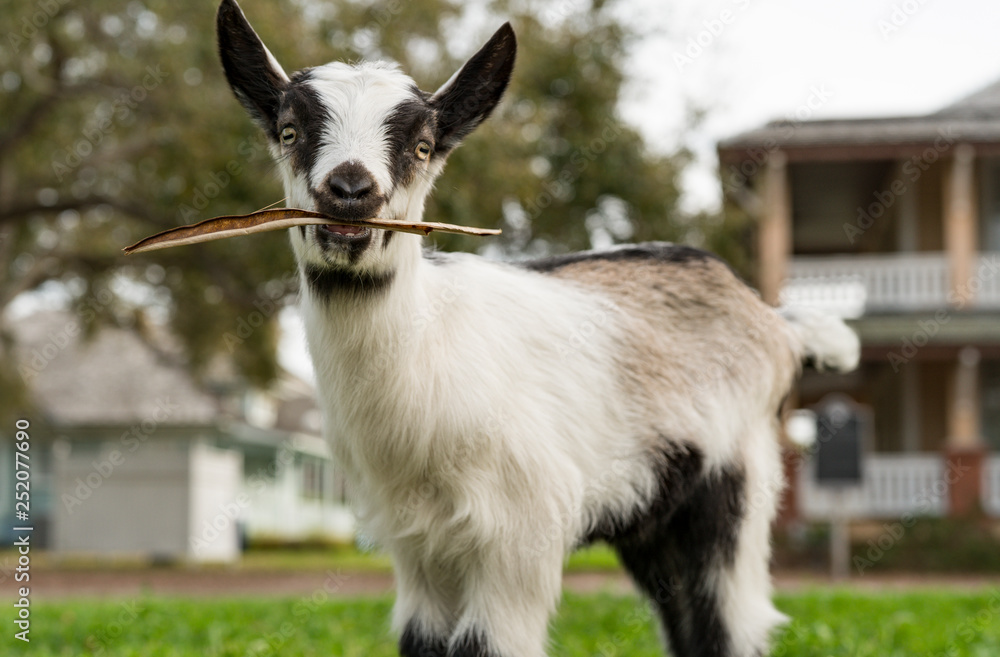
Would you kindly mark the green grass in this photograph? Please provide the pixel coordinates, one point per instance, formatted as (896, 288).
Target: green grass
(596, 558)
(826, 624)
(344, 558)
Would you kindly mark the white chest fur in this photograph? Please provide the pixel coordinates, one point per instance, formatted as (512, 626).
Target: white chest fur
(466, 381)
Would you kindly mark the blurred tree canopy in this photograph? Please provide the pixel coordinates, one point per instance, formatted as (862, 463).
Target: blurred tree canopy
(117, 122)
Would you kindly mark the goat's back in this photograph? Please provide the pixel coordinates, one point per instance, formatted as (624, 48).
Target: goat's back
(693, 332)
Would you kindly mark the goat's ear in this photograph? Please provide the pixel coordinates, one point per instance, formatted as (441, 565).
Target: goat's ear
(253, 73)
(464, 101)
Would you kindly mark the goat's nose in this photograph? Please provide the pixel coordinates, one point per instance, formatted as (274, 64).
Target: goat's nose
(350, 185)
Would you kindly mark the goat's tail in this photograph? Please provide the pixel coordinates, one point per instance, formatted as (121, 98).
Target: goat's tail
(824, 341)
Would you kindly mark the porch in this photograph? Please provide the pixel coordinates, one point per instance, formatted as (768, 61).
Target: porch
(881, 235)
(895, 486)
(864, 284)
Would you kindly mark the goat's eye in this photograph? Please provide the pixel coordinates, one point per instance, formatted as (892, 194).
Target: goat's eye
(423, 150)
(288, 135)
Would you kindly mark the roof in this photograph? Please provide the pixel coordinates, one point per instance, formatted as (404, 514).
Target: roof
(984, 103)
(973, 119)
(114, 377)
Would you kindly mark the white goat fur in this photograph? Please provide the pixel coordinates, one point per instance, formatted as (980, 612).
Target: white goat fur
(490, 417)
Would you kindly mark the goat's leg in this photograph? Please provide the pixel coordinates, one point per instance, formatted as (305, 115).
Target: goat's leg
(744, 584)
(507, 603)
(423, 614)
(417, 641)
(677, 563)
(705, 568)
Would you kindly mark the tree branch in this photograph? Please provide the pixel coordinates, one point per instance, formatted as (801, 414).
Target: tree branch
(19, 211)
(31, 118)
(43, 105)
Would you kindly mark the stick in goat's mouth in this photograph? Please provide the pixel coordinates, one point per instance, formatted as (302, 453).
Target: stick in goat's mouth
(264, 220)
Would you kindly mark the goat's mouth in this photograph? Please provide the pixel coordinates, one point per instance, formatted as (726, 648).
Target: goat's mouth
(350, 241)
(344, 232)
(344, 237)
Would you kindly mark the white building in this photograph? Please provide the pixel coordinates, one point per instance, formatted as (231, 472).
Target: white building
(132, 457)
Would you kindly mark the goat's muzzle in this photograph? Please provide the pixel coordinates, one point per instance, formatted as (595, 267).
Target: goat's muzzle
(349, 192)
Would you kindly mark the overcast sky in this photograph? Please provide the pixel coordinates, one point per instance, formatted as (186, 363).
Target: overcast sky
(766, 58)
(756, 60)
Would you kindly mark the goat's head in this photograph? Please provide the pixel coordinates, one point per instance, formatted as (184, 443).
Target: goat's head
(358, 141)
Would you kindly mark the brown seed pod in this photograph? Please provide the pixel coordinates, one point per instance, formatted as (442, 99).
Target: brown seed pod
(261, 221)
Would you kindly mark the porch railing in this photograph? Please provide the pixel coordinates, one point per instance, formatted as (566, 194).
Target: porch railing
(853, 285)
(892, 486)
(991, 486)
(987, 277)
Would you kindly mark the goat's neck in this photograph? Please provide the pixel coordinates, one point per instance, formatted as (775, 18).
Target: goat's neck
(367, 355)
(351, 334)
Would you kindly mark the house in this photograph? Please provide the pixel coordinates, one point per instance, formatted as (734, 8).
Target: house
(894, 224)
(131, 456)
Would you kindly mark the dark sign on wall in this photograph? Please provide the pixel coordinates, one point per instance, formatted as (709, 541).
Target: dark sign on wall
(840, 442)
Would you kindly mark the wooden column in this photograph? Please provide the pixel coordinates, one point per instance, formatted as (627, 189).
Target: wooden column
(963, 402)
(775, 234)
(960, 235)
(965, 450)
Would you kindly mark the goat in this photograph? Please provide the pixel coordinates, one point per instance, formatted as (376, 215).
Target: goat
(492, 417)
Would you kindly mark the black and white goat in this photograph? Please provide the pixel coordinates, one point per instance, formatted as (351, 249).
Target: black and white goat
(493, 417)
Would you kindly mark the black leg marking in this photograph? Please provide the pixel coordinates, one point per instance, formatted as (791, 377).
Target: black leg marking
(676, 559)
(679, 469)
(473, 644)
(415, 643)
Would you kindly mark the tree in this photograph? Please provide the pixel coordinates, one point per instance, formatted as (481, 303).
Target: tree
(120, 123)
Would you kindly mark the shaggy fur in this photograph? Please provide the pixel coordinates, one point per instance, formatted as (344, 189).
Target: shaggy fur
(493, 417)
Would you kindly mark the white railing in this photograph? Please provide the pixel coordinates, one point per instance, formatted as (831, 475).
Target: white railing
(892, 486)
(853, 285)
(991, 486)
(988, 281)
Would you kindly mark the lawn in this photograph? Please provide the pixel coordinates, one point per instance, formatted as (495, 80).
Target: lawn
(346, 558)
(826, 624)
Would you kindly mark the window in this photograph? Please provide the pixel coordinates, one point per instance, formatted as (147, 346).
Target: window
(312, 478)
